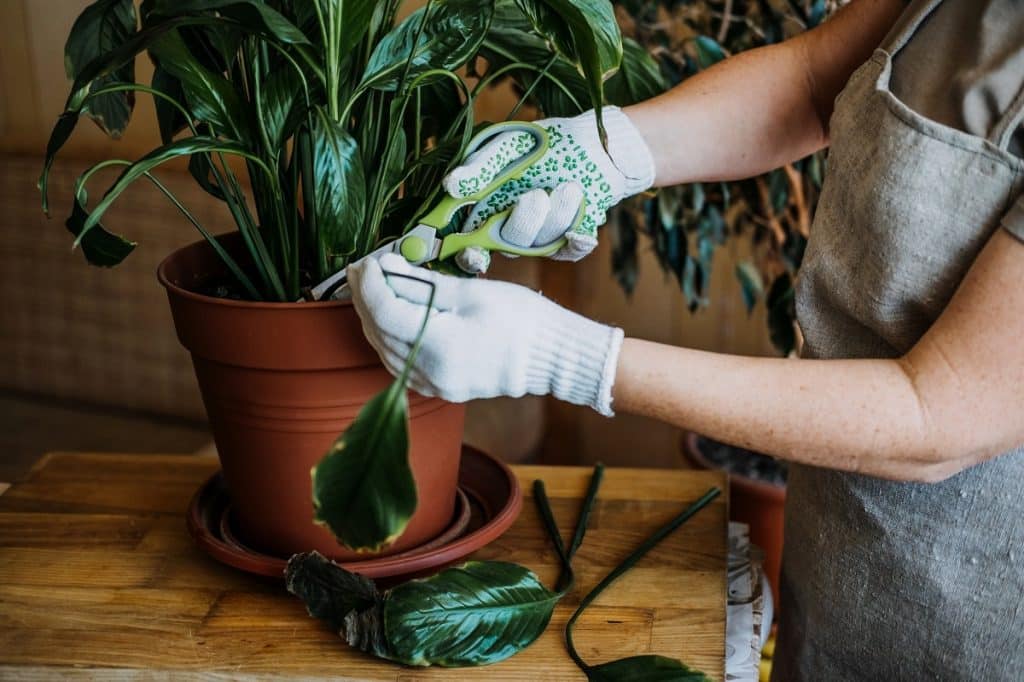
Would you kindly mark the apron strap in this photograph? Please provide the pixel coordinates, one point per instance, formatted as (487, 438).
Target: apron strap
(1004, 130)
(907, 24)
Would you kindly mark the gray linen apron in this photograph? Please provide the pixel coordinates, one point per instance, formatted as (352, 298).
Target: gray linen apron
(884, 580)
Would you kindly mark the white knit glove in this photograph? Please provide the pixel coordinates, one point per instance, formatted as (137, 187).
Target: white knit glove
(484, 338)
(547, 197)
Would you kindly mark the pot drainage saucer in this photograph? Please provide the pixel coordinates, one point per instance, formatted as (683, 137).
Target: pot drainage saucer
(488, 503)
(461, 518)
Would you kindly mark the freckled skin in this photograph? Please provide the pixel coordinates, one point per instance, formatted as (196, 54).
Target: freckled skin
(954, 400)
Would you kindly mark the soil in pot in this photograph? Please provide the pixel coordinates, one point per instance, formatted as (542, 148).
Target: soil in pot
(280, 381)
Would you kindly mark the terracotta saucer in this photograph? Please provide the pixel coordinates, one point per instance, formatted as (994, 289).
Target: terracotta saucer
(461, 518)
(488, 503)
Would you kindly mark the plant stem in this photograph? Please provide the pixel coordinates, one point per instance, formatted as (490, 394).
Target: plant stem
(566, 579)
(586, 508)
(529, 91)
(221, 252)
(224, 255)
(404, 376)
(628, 563)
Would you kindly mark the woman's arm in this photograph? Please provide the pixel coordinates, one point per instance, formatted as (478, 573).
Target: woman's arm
(956, 399)
(763, 108)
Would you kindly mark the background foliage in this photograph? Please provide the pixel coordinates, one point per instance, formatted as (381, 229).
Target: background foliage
(687, 224)
(345, 119)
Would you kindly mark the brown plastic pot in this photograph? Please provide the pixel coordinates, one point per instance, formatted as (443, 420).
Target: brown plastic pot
(280, 381)
(758, 504)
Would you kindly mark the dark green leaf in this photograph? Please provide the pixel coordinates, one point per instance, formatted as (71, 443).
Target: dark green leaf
(815, 168)
(100, 28)
(201, 169)
(394, 168)
(781, 314)
(215, 46)
(645, 669)
(750, 284)
(252, 15)
(817, 13)
(100, 247)
(778, 189)
(355, 20)
(711, 224)
(329, 591)
(363, 489)
(211, 97)
(625, 263)
(474, 614)
(638, 79)
(697, 197)
(705, 252)
(690, 283)
(112, 61)
(340, 186)
(169, 118)
(709, 52)
(445, 39)
(585, 32)
(282, 107)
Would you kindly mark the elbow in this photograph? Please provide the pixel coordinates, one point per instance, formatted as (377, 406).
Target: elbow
(938, 472)
(930, 454)
(939, 456)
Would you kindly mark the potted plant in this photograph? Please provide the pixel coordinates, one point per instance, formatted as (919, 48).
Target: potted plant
(688, 224)
(324, 127)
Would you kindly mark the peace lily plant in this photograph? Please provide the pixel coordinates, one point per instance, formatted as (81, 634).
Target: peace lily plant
(325, 128)
(345, 120)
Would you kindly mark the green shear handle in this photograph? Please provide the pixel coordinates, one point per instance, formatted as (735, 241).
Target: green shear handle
(488, 235)
(422, 243)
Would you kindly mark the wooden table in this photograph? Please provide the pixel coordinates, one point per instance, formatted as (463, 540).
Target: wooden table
(99, 580)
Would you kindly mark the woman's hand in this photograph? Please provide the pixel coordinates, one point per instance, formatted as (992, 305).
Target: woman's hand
(576, 173)
(484, 338)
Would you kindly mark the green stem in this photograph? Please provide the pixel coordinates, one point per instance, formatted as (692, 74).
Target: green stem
(230, 262)
(628, 563)
(305, 151)
(530, 67)
(566, 579)
(585, 509)
(529, 91)
(403, 378)
(235, 199)
(399, 86)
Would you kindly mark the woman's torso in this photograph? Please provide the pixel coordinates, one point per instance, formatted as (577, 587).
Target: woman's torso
(886, 580)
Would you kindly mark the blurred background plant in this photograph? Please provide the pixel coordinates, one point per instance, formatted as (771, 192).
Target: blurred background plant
(687, 224)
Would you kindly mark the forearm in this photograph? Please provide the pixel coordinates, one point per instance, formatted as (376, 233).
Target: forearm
(852, 415)
(762, 108)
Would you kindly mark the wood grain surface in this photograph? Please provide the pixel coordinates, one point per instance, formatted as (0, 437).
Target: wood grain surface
(99, 580)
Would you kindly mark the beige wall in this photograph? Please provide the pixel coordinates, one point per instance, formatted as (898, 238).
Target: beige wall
(32, 92)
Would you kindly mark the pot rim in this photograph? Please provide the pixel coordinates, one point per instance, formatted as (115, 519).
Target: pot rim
(161, 275)
(692, 452)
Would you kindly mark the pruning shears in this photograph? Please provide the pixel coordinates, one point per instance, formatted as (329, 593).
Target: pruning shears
(423, 244)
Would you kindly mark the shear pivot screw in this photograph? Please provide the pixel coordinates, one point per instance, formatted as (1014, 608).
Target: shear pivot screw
(414, 249)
